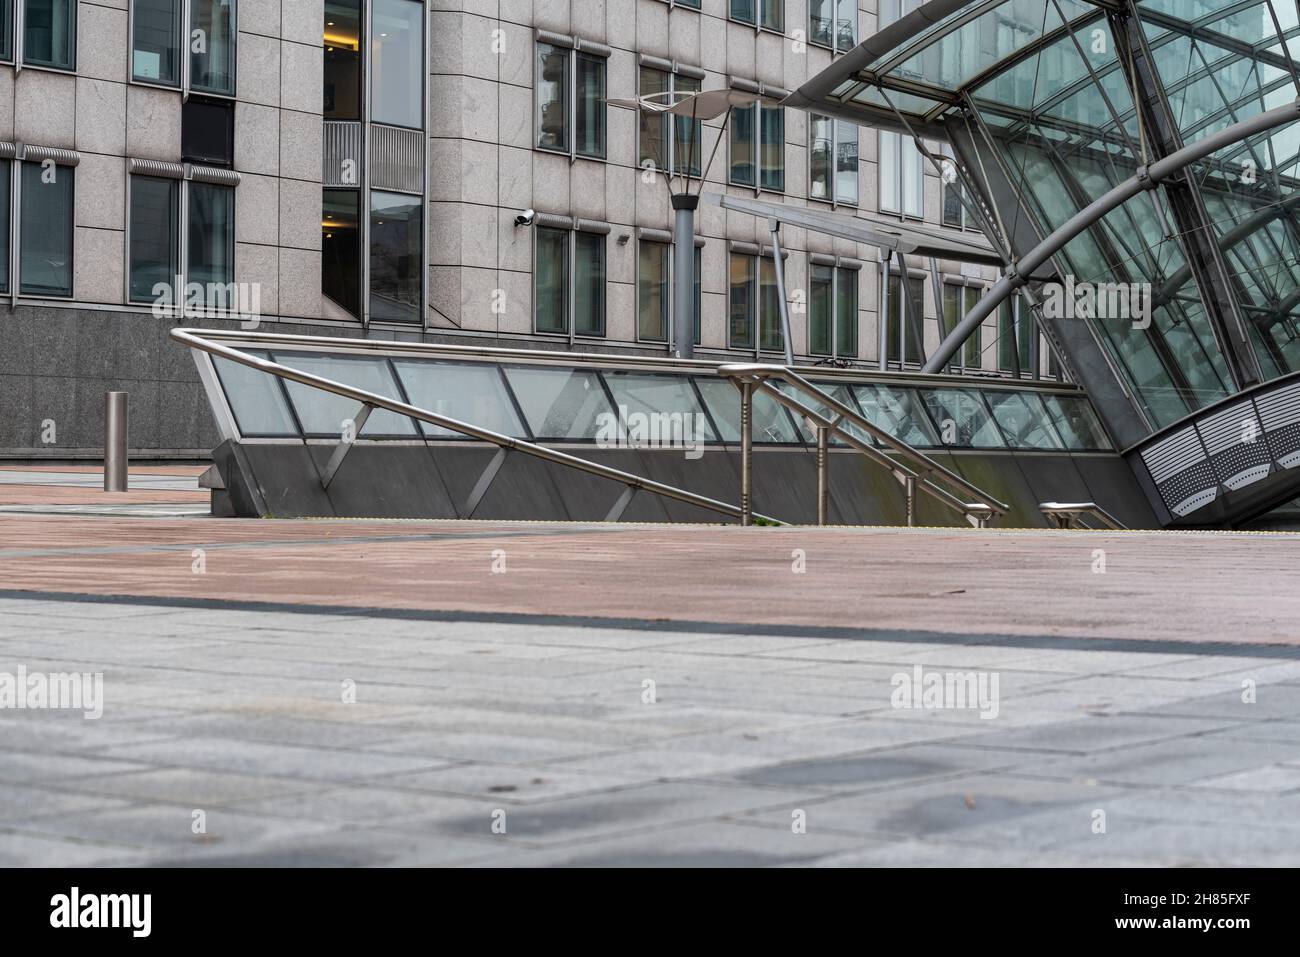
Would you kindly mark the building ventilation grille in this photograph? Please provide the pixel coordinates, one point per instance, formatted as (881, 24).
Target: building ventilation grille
(396, 159)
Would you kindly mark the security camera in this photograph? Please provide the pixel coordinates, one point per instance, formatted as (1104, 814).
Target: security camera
(525, 218)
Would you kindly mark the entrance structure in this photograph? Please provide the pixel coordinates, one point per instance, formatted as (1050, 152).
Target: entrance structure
(1144, 147)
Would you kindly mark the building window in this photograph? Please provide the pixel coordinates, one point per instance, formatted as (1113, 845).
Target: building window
(900, 175)
(758, 146)
(754, 302)
(569, 281)
(833, 160)
(832, 310)
(162, 210)
(6, 170)
(959, 299)
(341, 248)
(767, 14)
(165, 31)
(664, 139)
(208, 132)
(1015, 339)
(49, 32)
(833, 24)
(570, 101)
(955, 213)
(342, 79)
(45, 230)
(904, 327)
(654, 295)
(396, 256)
(153, 257)
(397, 63)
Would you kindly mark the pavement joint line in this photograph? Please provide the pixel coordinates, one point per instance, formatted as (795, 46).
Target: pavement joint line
(687, 626)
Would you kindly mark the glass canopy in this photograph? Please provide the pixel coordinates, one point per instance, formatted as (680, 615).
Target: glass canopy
(1045, 89)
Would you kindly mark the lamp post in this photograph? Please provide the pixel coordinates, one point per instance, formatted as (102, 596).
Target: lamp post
(696, 107)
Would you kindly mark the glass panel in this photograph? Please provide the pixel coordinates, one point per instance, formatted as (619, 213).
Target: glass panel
(770, 421)
(396, 256)
(652, 291)
(552, 98)
(666, 394)
(45, 240)
(962, 418)
(742, 145)
(50, 34)
(699, 297)
(255, 398)
(897, 412)
(589, 124)
(326, 414)
(551, 280)
(821, 304)
(773, 148)
(890, 198)
(687, 147)
(559, 403)
(846, 162)
(746, 11)
(846, 25)
(341, 248)
(846, 313)
(913, 180)
(1076, 422)
(211, 234)
(770, 307)
(589, 284)
(743, 300)
(397, 63)
(1023, 420)
(154, 238)
(471, 392)
(212, 46)
(156, 28)
(774, 14)
(821, 152)
(821, 22)
(342, 40)
(654, 129)
(6, 29)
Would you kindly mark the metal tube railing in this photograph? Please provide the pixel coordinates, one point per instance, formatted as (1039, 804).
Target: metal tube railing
(750, 376)
(507, 442)
(1067, 514)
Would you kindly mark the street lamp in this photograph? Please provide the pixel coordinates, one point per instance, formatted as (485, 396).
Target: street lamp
(693, 106)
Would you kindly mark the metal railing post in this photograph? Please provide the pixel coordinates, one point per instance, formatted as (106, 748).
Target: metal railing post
(115, 430)
(746, 453)
(822, 478)
(909, 486)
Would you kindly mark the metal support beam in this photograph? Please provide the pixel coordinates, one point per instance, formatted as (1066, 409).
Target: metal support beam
(684, 275)
(344, 447)
(823, 479)
(1147, 178)
(746, 453)
(484, 480)
(774, 226)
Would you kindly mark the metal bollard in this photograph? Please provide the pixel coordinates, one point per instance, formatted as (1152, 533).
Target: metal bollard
(115, 430)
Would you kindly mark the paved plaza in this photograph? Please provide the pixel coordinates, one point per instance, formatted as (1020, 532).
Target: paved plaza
(380, 693)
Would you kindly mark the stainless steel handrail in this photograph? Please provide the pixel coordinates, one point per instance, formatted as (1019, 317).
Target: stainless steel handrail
(750, 376)
(507, 442)
(1067, 514)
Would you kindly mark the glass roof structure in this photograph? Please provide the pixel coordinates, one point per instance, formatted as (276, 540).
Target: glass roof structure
(1051, 104)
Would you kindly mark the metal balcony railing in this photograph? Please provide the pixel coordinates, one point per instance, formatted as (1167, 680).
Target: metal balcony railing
(913, 469)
